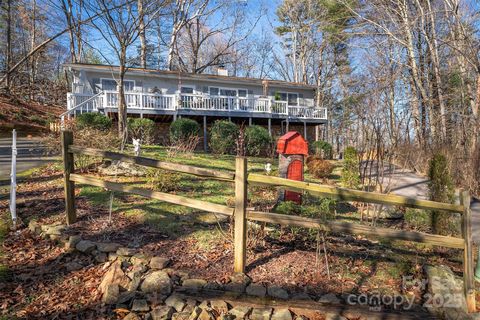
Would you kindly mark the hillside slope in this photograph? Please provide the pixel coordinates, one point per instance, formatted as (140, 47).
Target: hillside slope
(29, 117)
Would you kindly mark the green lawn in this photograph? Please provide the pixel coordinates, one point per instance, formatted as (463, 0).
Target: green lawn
(171, 219)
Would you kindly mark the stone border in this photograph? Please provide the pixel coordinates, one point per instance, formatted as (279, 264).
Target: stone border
(146, 285)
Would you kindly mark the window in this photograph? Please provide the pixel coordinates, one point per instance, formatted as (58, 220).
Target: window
(293, 99)
(187, 90)
(227, 92)
(281, 96)
(111, 85)
(290, 98)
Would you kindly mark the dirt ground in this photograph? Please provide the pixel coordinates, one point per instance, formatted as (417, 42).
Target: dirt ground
(35, 281)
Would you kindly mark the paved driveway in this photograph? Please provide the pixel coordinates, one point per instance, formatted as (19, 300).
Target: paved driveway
(410, 184)
(30, 154)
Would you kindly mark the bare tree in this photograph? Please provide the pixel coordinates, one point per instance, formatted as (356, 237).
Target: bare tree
(202, 44)
(73, 15)
(120, 26)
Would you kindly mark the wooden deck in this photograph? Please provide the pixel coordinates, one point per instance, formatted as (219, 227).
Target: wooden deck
(195, 105)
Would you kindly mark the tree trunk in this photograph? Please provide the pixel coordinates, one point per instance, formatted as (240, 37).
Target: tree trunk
(68, 12)
(171, 47)
(433, 47)
(9, 44)
(476, 120)
(78, 33)
(417, 83)
(143, 41)
(33, 39)
(122, 105)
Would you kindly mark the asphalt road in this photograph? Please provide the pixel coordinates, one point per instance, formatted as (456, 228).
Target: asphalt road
(30, 154)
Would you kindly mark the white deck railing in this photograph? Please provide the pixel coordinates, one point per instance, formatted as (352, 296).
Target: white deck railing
(172, 102)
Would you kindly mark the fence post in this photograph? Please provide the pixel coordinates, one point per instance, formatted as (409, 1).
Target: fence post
(468, 279)
(240, 227)
(68, 168)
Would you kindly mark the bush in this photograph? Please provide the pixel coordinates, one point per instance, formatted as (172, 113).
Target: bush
(441, 189)
(319, 208)
(257, 141)
(318, 167)
(322, 149)
(350, 172)
(223, 137)
(163, 181)
(288, 207)
(141, 128)
(93, 120)
(182, 130)
(441, 184)
(418, 219)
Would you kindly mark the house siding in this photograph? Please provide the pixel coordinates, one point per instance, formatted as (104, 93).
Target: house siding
(146, 83)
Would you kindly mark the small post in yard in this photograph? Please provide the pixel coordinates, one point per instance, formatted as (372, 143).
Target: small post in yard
(68, 168)
(240, 234)
(13, 180)
(468, 277)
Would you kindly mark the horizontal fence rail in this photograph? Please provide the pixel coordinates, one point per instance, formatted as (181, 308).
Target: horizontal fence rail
(170, 198)
(352, 195)
(153, 163)
(355, 228)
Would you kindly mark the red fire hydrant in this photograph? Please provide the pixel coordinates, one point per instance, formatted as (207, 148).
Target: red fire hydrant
(291, 149)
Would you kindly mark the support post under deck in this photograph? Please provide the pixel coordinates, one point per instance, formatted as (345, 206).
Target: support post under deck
(205, 144)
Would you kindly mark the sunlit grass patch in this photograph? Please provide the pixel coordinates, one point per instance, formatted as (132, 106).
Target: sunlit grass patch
(208, 239)
(98, 196)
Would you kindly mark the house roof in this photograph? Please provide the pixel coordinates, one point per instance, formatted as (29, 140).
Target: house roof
(189, 76)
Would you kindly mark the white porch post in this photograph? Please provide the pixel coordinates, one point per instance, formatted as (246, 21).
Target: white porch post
(141, 104)
(250, 121)
(270, 126)
(305, 130)
(288, 122)
(317, 132)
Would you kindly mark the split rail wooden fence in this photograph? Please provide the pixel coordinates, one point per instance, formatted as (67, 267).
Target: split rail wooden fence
(242, 179)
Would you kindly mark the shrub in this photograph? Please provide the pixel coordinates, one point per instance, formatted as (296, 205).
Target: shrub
(318, 167)
(322, 149)
(141, 128)
(182, 130)
(418, 219)
(441, 184)
(319, 208)
(223, 137)
(93, 120)
(257, 141)
(163, 181)
(441, 189)
(288, 207)
(350, 171)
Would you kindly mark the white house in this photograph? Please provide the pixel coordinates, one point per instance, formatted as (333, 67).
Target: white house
(166, 95)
